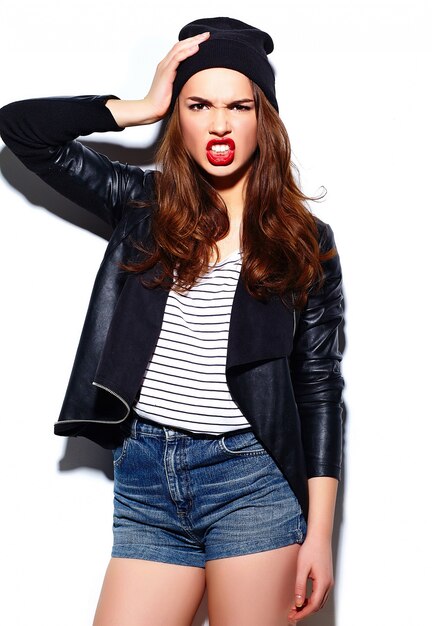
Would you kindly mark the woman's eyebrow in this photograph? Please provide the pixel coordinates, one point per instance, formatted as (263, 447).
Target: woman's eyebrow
(205, 101)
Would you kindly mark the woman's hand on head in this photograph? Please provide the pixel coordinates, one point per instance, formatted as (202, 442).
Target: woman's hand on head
(155, 105)
(159, 96)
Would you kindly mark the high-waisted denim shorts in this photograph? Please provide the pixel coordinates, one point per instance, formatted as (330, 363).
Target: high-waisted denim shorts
(186, 499)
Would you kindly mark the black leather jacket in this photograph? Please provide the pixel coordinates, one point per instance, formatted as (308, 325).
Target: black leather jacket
(282, 369)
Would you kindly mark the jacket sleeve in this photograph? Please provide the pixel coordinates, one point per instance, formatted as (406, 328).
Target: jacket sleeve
(315, 370)
(42, 134)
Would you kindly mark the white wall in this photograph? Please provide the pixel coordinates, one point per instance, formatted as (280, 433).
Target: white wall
(351, 78)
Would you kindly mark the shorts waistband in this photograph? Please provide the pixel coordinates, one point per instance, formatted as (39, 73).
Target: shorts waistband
(143, 424)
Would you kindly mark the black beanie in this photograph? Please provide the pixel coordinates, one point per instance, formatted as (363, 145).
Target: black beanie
(232, 44)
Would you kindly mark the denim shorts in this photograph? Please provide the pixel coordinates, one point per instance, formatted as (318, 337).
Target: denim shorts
(186, 499)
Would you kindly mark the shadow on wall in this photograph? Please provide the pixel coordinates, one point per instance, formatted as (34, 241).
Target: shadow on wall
(80, 452)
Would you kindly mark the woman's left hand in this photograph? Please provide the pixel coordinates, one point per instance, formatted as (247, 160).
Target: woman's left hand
(314, 562)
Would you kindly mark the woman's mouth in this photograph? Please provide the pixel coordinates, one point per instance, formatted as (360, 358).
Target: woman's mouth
(220, 151)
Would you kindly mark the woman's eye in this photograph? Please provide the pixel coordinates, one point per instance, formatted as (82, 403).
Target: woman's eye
(198, 106)
(241, 107)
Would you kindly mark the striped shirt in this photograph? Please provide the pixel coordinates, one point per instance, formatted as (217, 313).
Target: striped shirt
(185, 383)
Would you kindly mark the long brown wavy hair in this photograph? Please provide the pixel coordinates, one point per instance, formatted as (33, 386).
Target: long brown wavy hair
(279, 240)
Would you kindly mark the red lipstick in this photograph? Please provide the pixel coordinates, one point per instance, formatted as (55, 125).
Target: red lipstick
(223, 155)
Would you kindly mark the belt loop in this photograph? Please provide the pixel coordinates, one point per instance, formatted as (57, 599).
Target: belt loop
(170, 433)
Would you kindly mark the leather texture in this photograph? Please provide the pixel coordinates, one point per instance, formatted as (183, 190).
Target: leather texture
(283, 370)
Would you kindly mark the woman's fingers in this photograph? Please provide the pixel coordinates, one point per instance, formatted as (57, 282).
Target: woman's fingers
(303, 571)
(315, 602)
(182, 49)
(300, 600)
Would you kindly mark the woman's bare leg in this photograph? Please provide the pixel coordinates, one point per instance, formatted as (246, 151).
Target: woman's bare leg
(252, 590)
(149, 593)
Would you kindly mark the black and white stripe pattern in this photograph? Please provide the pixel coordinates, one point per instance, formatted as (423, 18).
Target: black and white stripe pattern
(185, 383)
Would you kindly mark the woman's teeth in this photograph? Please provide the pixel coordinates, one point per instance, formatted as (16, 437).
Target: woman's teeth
(220, 147)
(221, 153)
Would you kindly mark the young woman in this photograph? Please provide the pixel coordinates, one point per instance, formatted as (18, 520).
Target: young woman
(209, 359)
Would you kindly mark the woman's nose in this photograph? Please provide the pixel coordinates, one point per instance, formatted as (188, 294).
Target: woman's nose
(220, 124)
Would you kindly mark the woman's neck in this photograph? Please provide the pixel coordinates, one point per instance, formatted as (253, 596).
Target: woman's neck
(232, 241)
(232, 191)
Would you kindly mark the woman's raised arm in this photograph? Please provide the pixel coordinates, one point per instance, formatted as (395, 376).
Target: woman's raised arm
(42, 133)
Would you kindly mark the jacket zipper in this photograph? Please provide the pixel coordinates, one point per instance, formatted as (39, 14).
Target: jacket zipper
(116, 395)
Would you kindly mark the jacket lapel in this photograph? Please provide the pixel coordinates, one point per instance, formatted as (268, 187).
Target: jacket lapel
(132, 336)
(258, 330)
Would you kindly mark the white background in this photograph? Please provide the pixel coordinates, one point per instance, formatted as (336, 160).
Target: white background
(352, 79)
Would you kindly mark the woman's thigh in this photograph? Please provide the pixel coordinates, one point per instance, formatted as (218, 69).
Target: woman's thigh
(148, 593)
(252, 590)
